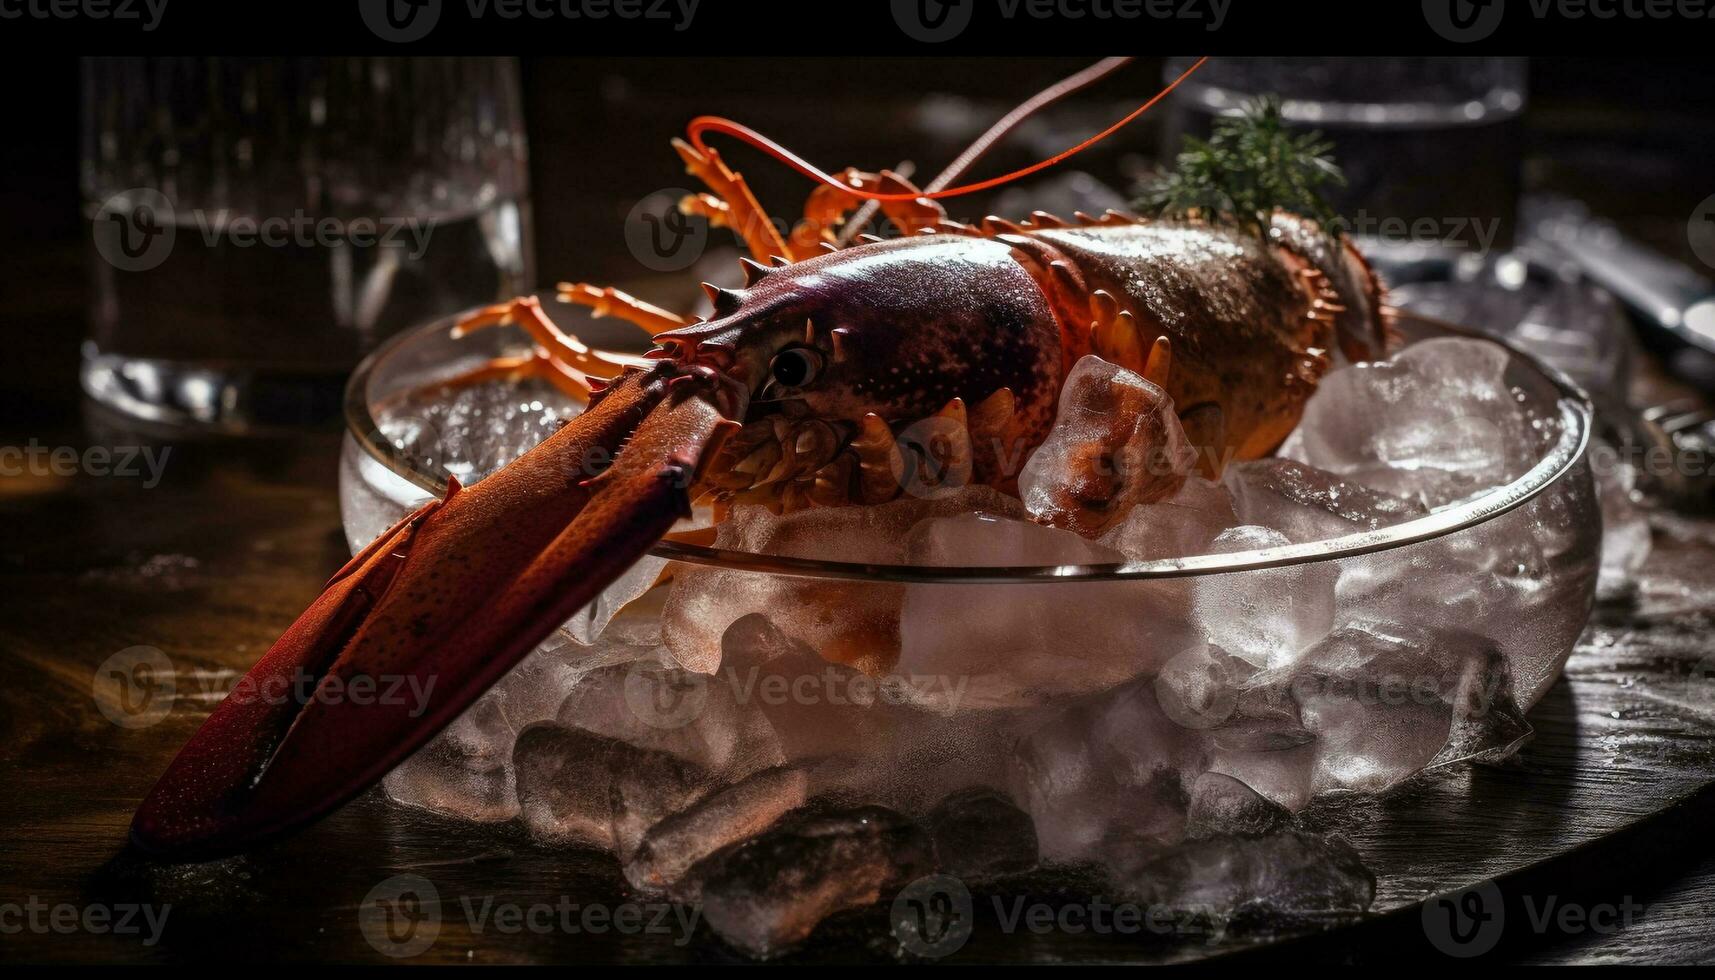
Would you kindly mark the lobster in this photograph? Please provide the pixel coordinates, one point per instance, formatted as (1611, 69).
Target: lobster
(793, 393)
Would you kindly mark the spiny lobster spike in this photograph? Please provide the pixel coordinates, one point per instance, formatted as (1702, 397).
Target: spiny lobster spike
(837, 337)
(1066, 277)
(994, 225)
(950, 444)
(1085, 218)
(813, 447)
(950, 227)
(992, 413)
(927, 230)
(779, 261)
(880, 462)
(869, 239)
(1103, 306)
(1043, 219)
(753, 270)
(827, 246)
(724, 300)
(833, 482)
(809, 332)
(1114, 216)
(1160, 363)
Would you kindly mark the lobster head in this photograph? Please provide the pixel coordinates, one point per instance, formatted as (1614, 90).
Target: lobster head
(844, 354)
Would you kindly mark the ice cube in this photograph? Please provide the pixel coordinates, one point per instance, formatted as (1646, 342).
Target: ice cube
(1112, 760)
(565, 785)
(1625, 529)
(1385, 701)
(1435, 424)
(851, 623)
(1221, 804)
(466, 770)
(647, 788)
(587, 625)
(1178, 527)
(693, 717)
(770, 892)
(1214, 878)
(1251, 735)
(583, 789)
(1116, 442)
(980, 833)
(1525, 578)
(1308, 504)
(1266, 615)
(725, 817)
(999, 645)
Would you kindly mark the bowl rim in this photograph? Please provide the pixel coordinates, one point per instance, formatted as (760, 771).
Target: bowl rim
(1573, 405)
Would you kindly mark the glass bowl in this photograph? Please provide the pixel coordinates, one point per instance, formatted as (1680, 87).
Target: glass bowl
(1112, 707)
(1455, 554)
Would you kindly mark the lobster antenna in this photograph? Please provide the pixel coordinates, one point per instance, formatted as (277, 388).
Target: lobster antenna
(1101, 69)
(995, 133)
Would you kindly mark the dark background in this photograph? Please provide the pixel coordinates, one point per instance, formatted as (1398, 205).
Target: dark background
(1632, 135)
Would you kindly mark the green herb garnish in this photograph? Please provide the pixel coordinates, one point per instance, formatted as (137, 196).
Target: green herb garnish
(1249, 167)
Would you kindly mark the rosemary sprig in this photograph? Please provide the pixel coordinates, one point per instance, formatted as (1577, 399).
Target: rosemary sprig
(1250, 165)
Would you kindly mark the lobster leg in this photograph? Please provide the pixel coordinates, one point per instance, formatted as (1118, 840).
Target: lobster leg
(427, 618)
(536, 364)
(826, 208)
(731, 203)
(608, 301)
(527, 312)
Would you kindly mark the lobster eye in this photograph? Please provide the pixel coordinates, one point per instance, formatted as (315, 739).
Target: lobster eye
(795, 367)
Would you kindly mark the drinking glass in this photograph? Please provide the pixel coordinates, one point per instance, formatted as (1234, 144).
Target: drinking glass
(258, 225)
(1429, 146)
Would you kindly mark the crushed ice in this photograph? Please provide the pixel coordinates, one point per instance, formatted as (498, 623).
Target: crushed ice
(781, 749)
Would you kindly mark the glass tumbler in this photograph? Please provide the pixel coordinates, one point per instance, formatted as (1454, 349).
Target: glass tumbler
(1429, 146)
(258, 225)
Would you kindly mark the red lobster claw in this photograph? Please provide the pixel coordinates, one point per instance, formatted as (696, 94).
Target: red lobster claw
(441, 605)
